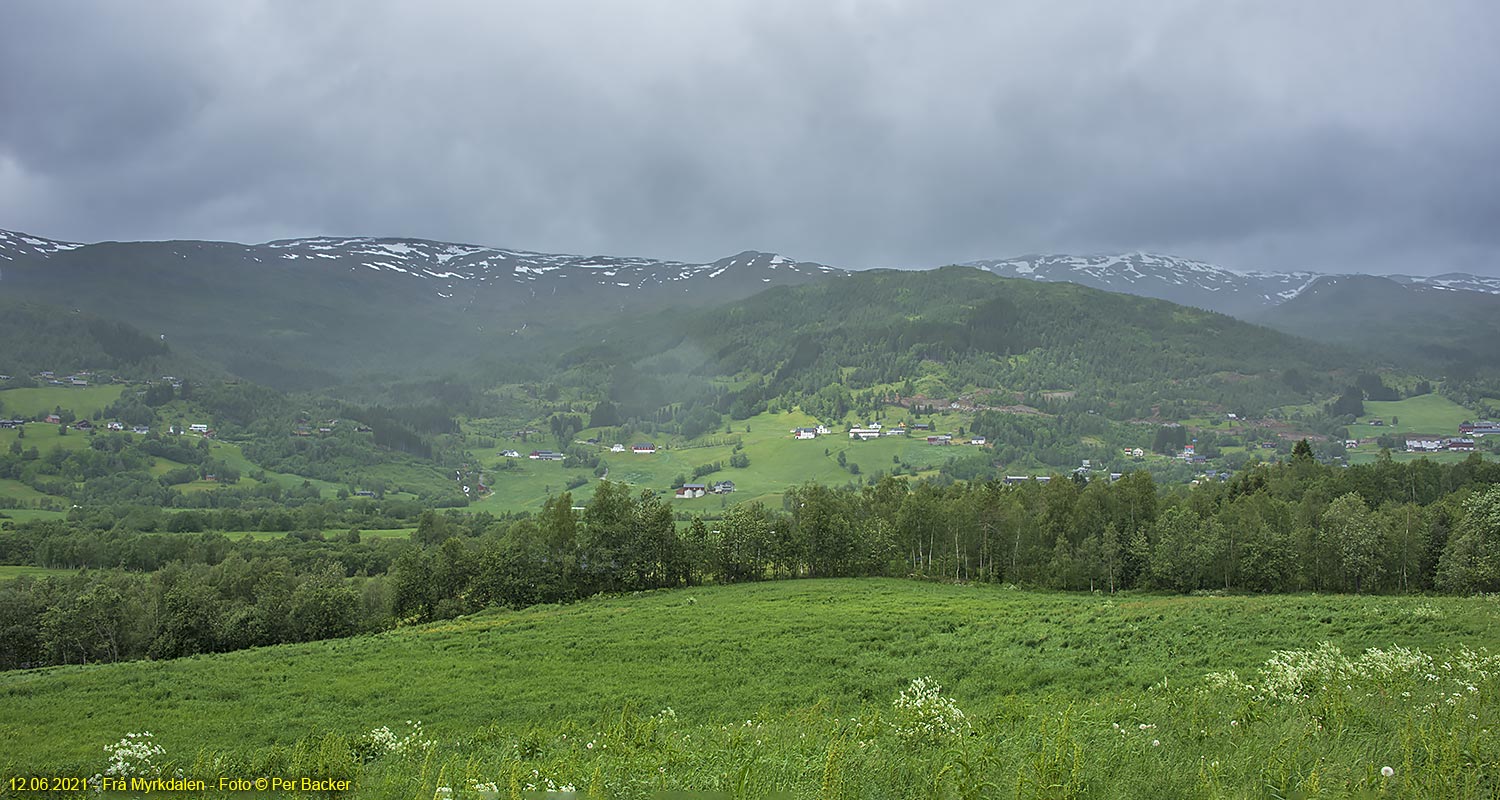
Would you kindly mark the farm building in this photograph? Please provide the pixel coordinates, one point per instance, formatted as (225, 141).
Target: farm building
(689, 491)
(723, 487)
(805, 433)
(864, 433)
(546, 455)
(618, 448)
(643, 448)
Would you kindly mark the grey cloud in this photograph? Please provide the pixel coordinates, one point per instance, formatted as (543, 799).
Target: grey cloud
(1263, 135)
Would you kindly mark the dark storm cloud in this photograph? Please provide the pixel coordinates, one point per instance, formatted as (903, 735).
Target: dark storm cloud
(1289, 135)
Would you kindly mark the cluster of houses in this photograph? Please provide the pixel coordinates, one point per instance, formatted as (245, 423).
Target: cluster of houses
(1423, 443)
(639, 448)
(51, 378)
(1483, 427)
(689, 491)
(875, 430)
(81, 425)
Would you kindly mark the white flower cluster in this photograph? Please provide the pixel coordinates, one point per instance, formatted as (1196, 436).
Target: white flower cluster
(924, 715)
(545, 784)
(485, 791)
(134, 755)
(666, 715)
(1296, 675)
(383, 740)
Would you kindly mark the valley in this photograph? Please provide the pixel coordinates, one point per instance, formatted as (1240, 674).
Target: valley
(597, 511)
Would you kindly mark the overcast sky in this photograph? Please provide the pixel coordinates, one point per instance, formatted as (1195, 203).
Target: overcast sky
(1333, 136)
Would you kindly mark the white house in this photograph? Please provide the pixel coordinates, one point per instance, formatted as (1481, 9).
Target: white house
(976, 440)
(510, 454)
(198, 427)
(1420, 443)
(643, 448)
(618, 448)
(805, 433)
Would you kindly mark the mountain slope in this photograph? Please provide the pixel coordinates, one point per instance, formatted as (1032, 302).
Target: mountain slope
(960, 330)
(1422, 327)
(1179, 280)
(304, 312)
(1195, 283)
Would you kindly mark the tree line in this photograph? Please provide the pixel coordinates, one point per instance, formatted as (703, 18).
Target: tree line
(1297, 526)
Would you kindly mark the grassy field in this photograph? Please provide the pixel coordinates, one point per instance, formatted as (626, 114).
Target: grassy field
(82, 401)
(1370, 453)
(11, 572)
(1428, 413)
(19, 491)
(44, 438)
(777, 462)
(28, 514)
(789, 687)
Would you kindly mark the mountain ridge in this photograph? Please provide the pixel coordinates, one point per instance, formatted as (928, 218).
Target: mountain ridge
(1238, 292)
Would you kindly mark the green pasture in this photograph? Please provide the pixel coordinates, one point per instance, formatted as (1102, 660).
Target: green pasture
(777, 462)
(232, 455)
(11, 572)
(791, 684)
(1428, 413)
(1369, 453)
(29, 514)
(44, 438)
(83, 401)
(16, 490)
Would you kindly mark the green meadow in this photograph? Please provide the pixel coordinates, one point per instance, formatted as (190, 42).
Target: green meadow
(777, 462)
(83, 401)
(11, 572)
(1369, 453)
(1428, 413)
(790, 689)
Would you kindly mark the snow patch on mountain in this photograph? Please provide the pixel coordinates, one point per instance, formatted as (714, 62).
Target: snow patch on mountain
(15, 245)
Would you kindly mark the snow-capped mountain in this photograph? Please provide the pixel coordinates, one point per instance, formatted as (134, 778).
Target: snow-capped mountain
(1180, 280)
(441, 264)
(340, 303)
(19, 245)
(1195, 283)
(443, 270)
(1453, 282)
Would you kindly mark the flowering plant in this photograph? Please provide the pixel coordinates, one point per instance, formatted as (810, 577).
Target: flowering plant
(925, 716)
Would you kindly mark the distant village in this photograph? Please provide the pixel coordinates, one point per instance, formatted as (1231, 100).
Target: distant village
(1436, 443)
